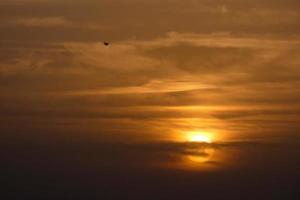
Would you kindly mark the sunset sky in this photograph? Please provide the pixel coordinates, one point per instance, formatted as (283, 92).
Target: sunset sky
(187, 94)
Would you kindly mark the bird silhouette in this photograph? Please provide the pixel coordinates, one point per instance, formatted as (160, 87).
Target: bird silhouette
(106, 43)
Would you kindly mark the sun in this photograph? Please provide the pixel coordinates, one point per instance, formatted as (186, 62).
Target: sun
(199, 137)
(202, 153)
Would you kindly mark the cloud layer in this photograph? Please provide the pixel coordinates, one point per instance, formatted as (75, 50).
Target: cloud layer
(229, 66)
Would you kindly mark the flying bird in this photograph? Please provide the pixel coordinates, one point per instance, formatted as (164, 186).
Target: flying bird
(106, 43)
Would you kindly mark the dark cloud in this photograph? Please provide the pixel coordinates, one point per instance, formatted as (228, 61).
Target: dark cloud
(76, 149)
(79, 167)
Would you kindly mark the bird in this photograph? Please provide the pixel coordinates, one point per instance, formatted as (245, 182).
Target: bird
(106, 43)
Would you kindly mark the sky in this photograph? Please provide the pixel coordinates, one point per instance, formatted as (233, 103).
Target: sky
(186, 95)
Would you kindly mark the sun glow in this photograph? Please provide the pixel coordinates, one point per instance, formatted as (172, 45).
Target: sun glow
(205, 152)
(200, 137)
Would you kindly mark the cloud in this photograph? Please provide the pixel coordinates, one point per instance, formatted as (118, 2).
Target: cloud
(154, 86)
(144, 20)
(193, 56)
(53, 22)
(130, 170)
(149, 154)
(220, 40)
(44, 22)
(222, 80)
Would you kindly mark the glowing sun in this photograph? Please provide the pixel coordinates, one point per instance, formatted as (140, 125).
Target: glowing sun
(205, 152)
(199, 137)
